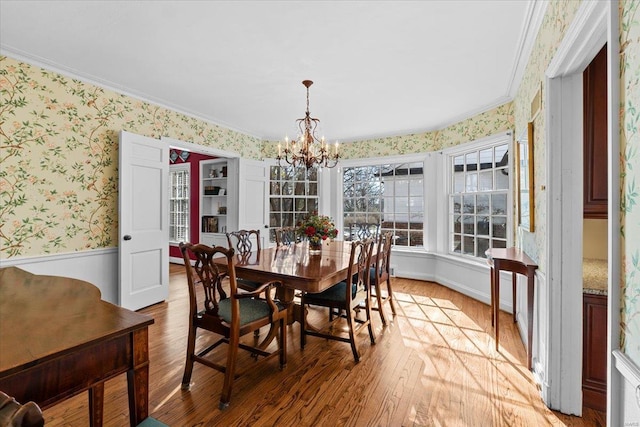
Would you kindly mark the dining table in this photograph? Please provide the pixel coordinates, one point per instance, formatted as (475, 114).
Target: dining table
(297, 268)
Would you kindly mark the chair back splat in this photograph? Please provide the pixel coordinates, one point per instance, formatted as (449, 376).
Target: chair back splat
(231, 316)
(244, 242)
(346, 297)
(286, 236)
(380, 275)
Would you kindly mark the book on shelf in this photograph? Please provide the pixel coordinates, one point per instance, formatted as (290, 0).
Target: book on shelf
(209, 224)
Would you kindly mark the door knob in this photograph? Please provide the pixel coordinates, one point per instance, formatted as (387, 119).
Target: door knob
(127, 237)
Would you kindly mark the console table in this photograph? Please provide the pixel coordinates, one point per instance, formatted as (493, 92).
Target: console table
(517, 262)
(58, 339)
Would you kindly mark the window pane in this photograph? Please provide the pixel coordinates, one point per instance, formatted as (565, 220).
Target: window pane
(502, 179)
(500, 226)
(471, 182)
(468, 224)
(486, 181)
(287, 188)
(498, 204)
(478, 200)
(486, 159)
(482, 225)
(457, 224)
(456, 204)
(275, 188)
(468, 245)
(456, 245)
(469, 204)
(483, 245)
(482, 204)
(499, 243)
(471, 160)
(458, 182)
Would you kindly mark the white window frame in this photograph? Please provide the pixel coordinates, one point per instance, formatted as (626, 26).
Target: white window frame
(296, 215)
(427, 180)
(176, 168)
(447, 180)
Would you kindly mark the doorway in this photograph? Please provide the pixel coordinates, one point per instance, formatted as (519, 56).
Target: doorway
(594, 25)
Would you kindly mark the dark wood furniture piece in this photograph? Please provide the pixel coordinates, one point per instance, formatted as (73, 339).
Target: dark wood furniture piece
(594, 355)
(345, 297)
(242, 241)
(231, 316)
(58, 339)
(517, 262)
(297, 269)
(380, 275)
(15, 414)
(286, 236)
(361, 231)
(595, 137)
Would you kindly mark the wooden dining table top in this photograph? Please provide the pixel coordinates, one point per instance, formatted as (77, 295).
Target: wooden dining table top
(296, 267)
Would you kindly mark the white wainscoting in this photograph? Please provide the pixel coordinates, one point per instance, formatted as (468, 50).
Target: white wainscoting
(630, 402)
(98, 267)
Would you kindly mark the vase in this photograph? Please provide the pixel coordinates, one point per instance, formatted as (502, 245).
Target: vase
(315, 248)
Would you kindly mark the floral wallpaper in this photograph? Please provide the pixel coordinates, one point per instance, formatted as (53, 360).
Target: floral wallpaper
(490, 122)
(59, 157)
(557, 19)
(630, 177)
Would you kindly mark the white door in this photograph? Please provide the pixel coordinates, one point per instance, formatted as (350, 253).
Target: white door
(254, 197)
(143, 221)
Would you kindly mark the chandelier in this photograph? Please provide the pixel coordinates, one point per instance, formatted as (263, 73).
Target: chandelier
(307, 149)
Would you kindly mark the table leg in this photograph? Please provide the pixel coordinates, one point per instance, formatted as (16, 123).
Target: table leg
(496, 304)
(513, 294)
(492, 298)
(96, 399)
(530, 280)
(138, 378)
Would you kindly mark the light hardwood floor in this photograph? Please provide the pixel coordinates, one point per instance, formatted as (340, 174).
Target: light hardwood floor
(433, 365)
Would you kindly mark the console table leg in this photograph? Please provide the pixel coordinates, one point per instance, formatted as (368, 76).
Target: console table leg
(513, 294)
(530, 280)
(492, 297)
(96, 400)
(496, 304)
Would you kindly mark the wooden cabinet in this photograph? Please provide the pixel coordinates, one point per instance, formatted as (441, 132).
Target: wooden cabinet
(594, 352)
(595, 136)
(218, 199)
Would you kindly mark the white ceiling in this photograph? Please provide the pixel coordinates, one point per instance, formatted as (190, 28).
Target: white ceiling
(380, 68)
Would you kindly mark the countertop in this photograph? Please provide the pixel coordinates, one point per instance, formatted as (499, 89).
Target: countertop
(594, 276)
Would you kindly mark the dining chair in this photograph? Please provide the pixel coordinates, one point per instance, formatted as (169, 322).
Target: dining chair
(361, 231)
(14, 414)
(347, 297)
(380, 275)
(244, 242)
(286, 236)
(231, 317)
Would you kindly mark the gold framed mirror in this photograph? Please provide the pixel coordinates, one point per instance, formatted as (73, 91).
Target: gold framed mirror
(524, 177)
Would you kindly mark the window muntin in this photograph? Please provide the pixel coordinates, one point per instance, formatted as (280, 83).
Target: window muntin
(478, 200)
(179, 202)
(389, 195)
(293, 193)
